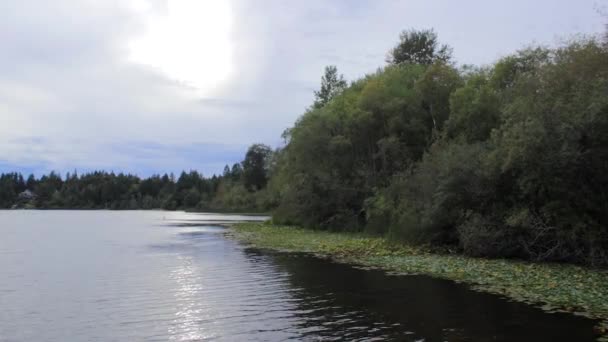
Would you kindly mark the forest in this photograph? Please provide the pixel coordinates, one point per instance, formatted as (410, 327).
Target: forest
(239, 188)
(504, 160)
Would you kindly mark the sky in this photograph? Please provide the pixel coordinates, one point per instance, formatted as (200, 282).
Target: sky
(154, 86)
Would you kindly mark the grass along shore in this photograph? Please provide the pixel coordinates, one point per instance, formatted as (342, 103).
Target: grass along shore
(553, 287)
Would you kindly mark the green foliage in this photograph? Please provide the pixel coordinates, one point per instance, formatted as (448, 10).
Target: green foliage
(419, 47)
(11, 185)
(331, 85)
(435, 87)
(234, 196)
(423, 204)
(256, 166)
(475, 110)
(102, 190)
(339, 153)
(505, 161)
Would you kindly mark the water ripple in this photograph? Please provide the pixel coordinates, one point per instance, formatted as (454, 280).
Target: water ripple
(158, 276)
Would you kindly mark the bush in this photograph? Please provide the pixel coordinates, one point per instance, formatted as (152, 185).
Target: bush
(485, 237)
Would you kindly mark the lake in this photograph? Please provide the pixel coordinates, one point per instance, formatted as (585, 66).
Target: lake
(174, 276)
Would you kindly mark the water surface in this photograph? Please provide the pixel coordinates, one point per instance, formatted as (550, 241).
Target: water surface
(170, 276)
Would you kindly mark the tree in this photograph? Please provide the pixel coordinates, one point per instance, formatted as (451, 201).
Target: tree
(192, 198)
(31, 182)
(435, 87)
(236, 172)
(331, 85)
(474, 110)
(419, 47)
(255, 166)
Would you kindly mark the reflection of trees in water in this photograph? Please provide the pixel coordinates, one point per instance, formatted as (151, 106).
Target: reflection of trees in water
(338, 301)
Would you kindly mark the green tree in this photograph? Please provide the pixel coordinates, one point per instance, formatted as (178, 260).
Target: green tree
(435, 87)
(331, 85)
(419, 47)
(255, 166)
(475, 110)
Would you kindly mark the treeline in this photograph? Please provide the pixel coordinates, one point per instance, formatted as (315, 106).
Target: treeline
(239, 188)
(507, 160)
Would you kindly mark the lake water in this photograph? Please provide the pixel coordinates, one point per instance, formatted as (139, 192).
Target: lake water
(171, 276)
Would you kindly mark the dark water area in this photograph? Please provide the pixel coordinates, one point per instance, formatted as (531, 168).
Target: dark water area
(371, 303)
(159, 276)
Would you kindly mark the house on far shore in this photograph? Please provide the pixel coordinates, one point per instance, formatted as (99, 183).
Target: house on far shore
(26, 195)
(24, 200)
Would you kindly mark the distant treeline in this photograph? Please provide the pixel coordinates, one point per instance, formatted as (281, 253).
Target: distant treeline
(238, 188)
(507, 160)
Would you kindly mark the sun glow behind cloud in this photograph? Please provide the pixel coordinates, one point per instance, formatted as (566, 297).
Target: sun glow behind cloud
(189, 42)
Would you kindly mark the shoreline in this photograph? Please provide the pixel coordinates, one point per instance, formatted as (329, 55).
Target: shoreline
(552, 287)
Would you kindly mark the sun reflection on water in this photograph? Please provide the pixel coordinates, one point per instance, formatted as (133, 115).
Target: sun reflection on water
(189, 311)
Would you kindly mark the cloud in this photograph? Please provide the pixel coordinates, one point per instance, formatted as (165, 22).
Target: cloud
(70, 96)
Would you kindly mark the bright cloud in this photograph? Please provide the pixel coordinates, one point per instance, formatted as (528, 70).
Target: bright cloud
(189, 41)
